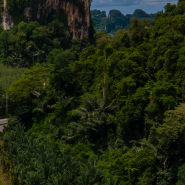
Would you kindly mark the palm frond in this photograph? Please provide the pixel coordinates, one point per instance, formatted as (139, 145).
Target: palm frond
(146, 143)
(38, 110)
(37, 94)
(51, 106)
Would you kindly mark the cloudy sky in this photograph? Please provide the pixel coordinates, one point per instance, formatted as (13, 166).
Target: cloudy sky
(128, 6)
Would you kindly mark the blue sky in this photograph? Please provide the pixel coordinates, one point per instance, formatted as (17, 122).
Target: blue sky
(129, 6)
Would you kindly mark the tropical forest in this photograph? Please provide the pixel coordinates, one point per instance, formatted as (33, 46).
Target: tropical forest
(105, 110)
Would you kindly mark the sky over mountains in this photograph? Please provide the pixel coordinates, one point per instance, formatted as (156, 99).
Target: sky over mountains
(128, 6)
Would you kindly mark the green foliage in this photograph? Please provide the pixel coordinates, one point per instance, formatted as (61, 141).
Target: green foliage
(102, 40)
(60, 65)
(111, 114)
(8, 75)
(171, 131)
(121, 39)
(33, 80)
(131, 168)
(19, 6)
(28, 43)
(181, 177)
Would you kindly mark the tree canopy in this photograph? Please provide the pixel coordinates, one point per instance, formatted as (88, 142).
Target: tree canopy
(109, 111)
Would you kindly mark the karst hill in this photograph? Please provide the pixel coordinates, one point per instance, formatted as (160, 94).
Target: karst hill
(76, 13)
(116, 20)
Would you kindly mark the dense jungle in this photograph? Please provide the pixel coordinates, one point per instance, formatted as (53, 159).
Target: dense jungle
(103, 111)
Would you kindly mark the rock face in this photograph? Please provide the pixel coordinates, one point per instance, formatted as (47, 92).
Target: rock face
(7, 20)
(78, 22)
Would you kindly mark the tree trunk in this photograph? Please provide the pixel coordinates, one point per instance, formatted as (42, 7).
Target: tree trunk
(104, 86)
(104, 81)
(6, 104)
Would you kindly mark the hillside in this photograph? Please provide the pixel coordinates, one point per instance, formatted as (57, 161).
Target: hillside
(116, 20)
(107, 113)
(35, 28)
(75, 13)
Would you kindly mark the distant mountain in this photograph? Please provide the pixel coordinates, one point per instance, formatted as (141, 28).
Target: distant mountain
(116, 20)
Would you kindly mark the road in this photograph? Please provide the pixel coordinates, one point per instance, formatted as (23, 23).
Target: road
(2, 123)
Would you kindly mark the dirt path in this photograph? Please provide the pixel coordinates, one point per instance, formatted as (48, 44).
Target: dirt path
(3, 122)
(3, 179)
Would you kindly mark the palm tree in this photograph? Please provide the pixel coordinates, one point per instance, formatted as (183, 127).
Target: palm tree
(33, 178)
(93, 116)
(90, 175)
(62, 106)
(147, 144)
(110, 180)
(42, 106)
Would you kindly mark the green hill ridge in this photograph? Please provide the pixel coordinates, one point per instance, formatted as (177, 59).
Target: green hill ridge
(116, 20)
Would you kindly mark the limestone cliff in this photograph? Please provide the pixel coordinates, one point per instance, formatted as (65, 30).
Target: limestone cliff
(7, 20)
(78, 20)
